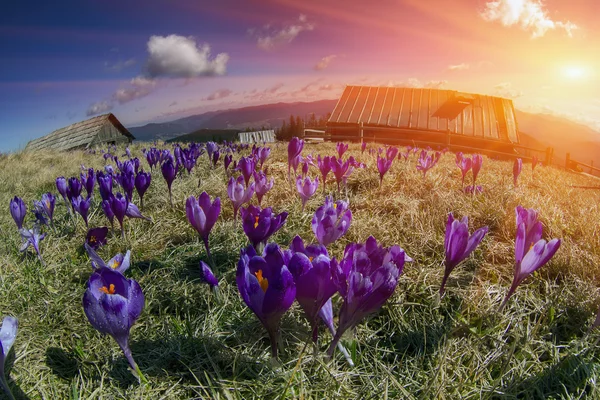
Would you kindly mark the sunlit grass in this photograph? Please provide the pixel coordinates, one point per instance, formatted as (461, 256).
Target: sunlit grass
(189, 345)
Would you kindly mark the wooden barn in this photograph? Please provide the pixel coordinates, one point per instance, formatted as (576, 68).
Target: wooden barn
(423, 116)
(98, 131)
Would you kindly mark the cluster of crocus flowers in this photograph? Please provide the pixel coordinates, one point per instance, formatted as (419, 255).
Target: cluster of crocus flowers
(259, 225)
(306, 188)
(262, 185)
(464, 164)
(458, 245)
(8, 334)
(365, 278)
(331, 221)
(427, 161)
(295, 147)
(32, 237)
(531, 251)
(266, 286)
(324, 165)
(45, 207)
(341, 148)
(202, 215)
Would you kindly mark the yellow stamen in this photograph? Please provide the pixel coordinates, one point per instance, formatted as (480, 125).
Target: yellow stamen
(256, 223)
(310, 259)
(92, 239)
(110, 290)
(115, 264)
(263, 282)
(48, 204)
(335, 206)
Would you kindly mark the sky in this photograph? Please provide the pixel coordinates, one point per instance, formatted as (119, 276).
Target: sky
(158, 60)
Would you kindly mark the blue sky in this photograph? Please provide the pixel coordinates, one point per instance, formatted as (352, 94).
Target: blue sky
(156, 60)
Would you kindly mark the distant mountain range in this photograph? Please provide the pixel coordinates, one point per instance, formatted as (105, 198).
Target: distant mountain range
(536, 130)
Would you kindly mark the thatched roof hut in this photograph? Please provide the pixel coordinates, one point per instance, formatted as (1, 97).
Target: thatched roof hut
(100, 130)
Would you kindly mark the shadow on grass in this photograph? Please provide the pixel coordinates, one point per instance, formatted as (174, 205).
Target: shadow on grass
(194, 360)
(13, 386)
(63, 364)
(569, 377)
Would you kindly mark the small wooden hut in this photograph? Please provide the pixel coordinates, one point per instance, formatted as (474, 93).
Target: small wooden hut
(101, 130)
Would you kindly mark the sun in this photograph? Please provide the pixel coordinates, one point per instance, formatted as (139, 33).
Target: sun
(574, 72)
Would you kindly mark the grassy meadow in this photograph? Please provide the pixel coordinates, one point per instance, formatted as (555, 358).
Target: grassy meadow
(189, 344)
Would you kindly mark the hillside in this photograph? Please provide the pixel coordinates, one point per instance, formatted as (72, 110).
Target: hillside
(205, 135)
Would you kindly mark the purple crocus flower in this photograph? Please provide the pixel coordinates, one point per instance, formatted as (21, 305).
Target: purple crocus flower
(473, 189)
(458, 244)
(227, 161)
(119, 262)
(391, 153)
(312, 270)
(363, 147)
(331, 221)
(18, 209)
(476, 165)
(341, 170)
(263, 153)
(383, 165)
(425, 162)
(127, 181)
(169, 172)
(112, 304)
(306, 189)
(211, 147)
(246, 166)
(365, 278)
(8, 334)
(118, 205)
(517, 166)
(238, 194)
(215, 158)
(262, 186)
(74, 188)
(537, 256)
(207, 276)
(82, 207)
(48, 202)
(96, 237)
(341, 148)
(305, 166)
(61, 186)
(464, 164)
(266, 286)
(134, 212)
(295, 147)
(259, 225)
(32, 237)
(142, 183)
(203, 215)
(89, 181)
(324, 165)
(108, 212)
(105, 185)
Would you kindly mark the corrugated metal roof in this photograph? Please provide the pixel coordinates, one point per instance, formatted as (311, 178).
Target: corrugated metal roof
(80, 134)
(427, 109)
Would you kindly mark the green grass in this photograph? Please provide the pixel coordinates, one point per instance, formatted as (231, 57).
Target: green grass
(191, 345)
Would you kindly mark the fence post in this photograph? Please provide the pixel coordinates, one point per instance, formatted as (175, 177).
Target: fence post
(361, 132)
(549, 152)
(568, 161)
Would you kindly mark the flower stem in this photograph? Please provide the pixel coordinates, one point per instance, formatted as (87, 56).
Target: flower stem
(134, 367)
(6, 388)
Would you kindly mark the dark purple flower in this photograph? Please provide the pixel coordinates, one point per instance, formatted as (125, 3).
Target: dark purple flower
(96, 237)
(169, 172)
(74, 188)
(517, 166)
(127, 181)
(363, 147)
(476, 164)
(246, 166)
(312, 270)
(227, 161)
(391, 153)
(537, 255)
(105, 185)
(341, 148)
(324, 165)
(263, 153)
(473, 189)
(108, 212)
(206, 275)
(464, 164)
(458, 244)
(118, 205)
(32, 237)
(203, 215)
(383, 165)
(238, 194)
(89, 181)
(426, 162)
(134, 212)
(142, 183)
(8, 334)
(112, 304)
(61, 186)
(18, 209)
(259, 225)
(266, 286)
(342, 170)
(82, 207)
(262, 186)
(365, 278)
(331, 221)
(119, 262)
(306, 188)
(48, 202)
(295, 147)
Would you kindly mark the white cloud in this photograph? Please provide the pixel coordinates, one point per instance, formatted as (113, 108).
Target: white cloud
(219, 94)
(180, 57)
(325, 61)
(269, 38)
(119, 65)
(459, 67)
(99, 107)
(506, 90)
(530, 15)
(140, 87)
